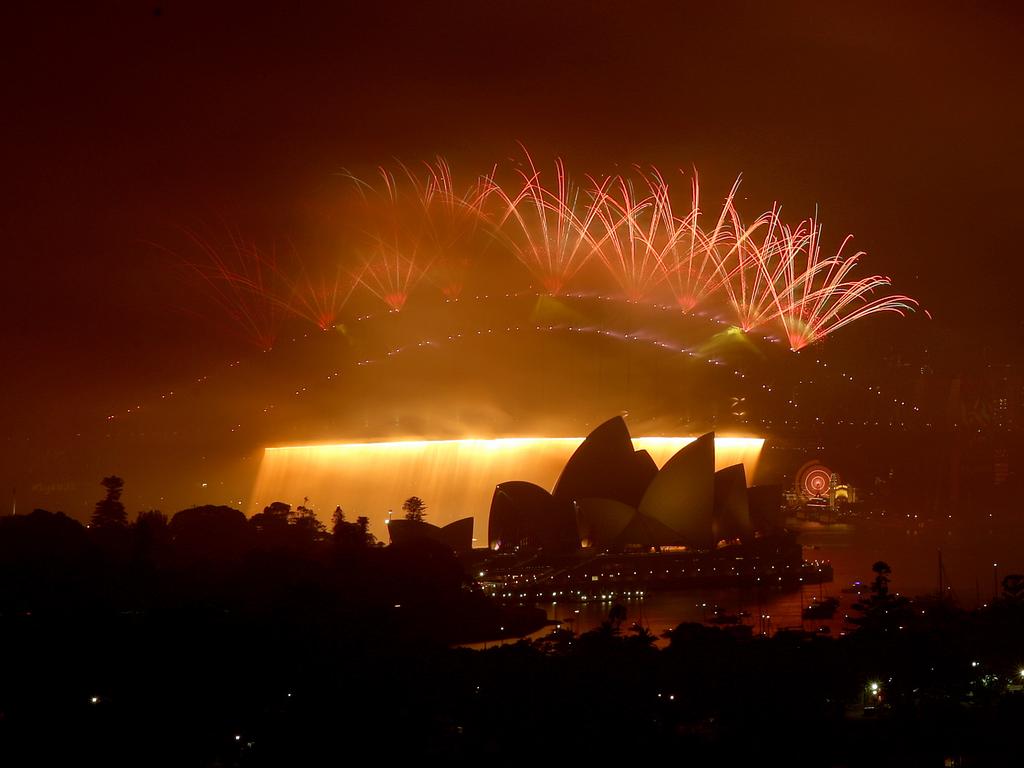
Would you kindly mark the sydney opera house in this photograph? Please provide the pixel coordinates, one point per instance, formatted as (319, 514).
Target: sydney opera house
(611, 497)
(615, 525)
(623, 515)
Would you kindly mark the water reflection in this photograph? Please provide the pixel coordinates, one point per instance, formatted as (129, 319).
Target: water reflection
(974, 559)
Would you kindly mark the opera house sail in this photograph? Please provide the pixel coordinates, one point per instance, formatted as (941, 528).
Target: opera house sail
(614, 519)
(611, 496)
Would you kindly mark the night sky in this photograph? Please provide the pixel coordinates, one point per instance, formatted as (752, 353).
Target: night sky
(127, 124)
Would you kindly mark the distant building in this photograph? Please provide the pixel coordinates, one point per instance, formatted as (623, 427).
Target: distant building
(457, 535)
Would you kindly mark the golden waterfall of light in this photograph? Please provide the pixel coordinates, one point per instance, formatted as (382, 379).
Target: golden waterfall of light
(455, 478)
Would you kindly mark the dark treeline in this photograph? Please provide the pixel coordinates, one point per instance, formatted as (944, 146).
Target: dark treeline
(209, 639)
(161, 639)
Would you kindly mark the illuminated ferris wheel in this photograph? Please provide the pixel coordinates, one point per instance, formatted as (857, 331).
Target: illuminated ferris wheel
(814, 479)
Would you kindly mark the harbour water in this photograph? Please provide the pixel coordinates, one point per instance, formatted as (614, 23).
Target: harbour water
(975, 558)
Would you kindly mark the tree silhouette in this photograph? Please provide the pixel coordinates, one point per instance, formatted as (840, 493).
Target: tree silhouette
(152, 518)
(414, 509)
(616, 616)
(1013, 587)
(273, 520)
(305, 519)
(642, 636)
(880, 587)
(212, 533)
(363, 527)
(882, 611)
(151, 530)
(109, 512)
(351, 535)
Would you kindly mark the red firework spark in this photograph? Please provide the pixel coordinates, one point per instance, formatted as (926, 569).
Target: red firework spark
(390, 276)
(454, 220)
(320, 298)
(819, 297)
(417, 224)
(628, 246)
(694, 259)
(245, 282)
(397, 219)
(548, 228)
(756, 267)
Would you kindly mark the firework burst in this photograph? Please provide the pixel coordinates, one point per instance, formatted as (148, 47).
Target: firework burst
(629, 245)
(391, 276)
(396, 218)
(819, 296)
(453, 222)
(548, 228)
(756, 267)
(416, 226)
(694, 259)
(320, 298)
(245, 281)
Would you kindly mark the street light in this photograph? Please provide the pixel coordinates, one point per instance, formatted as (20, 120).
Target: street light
(874, 696)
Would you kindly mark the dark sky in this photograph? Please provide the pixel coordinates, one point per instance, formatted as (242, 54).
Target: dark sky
(126, 123)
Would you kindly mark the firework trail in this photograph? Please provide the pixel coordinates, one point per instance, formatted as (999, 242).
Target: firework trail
(756, 267)
(390, 276)
(395, 220)
(320, 298)
(628, 247)
(454, 222)
(416, 225)
(819, 297)
(549, 229)
(695, 260)
(246, 282)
